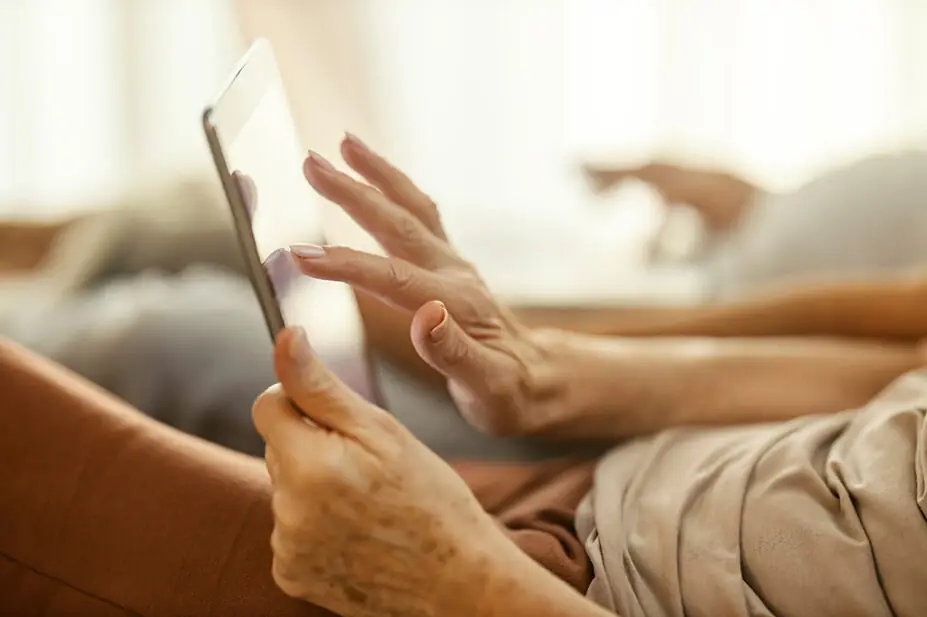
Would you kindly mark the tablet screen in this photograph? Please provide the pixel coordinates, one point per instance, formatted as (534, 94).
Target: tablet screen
(261, 148)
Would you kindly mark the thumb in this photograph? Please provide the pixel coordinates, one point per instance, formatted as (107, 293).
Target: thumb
(313, 389)
(443, 344)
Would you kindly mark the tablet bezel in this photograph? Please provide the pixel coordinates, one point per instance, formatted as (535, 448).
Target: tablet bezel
(223, 120)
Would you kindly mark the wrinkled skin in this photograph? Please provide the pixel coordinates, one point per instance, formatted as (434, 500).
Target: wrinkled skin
(496, 369)
(368, 521)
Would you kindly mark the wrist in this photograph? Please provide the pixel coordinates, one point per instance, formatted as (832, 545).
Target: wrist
(501, 580)
(597, 388)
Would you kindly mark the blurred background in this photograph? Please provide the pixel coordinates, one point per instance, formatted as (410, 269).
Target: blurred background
(492, 105)
(510, 113)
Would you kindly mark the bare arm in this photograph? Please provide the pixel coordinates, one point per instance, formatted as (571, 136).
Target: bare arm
(508, 379)
(625, 386)
(622, 387)
(893, 309)
(513, 585)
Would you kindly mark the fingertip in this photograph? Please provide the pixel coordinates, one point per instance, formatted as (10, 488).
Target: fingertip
(347, 144)
(353, 153)
(439, 328)
(311, 173)
(316, 167)
(247, 189)
(430, 320)
(281, 341)
(353, 143)
(292, 352)
(312, 267)
(301, 264)
(307, 168)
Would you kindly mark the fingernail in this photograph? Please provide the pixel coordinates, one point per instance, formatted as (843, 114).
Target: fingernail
(282, 271)
(300, 351)
(307, 251)
(355, 140)
(439, 329)
(320, 161)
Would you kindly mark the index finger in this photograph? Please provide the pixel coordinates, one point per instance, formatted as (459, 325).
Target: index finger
(279, 423)
(392, 182)
(396, 229)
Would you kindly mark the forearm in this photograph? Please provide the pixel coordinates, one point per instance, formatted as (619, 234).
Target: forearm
(510, 584)
(890, 309)
(387, 328)
(615, 388)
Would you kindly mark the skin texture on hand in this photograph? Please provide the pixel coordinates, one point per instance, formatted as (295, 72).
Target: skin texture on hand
(367, 520)
(370, 523)
(509, 379)
(496, 373)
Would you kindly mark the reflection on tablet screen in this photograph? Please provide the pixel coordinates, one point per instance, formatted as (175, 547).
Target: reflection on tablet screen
(267, 160)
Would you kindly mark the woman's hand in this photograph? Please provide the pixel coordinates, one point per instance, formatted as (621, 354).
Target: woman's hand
(498, 372)
(368, 521)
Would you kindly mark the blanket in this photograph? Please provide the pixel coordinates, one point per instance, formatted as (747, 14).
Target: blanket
(819, 516)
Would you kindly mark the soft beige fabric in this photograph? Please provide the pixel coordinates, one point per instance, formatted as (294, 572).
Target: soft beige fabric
(817, 517)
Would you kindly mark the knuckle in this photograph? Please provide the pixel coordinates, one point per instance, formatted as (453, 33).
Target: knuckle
(431, 208)
(309, 473)
(474, 300)
(387, 424)
(407, 228)
(287, 514)
(263, 406)
(432, 214)
(286, 578)
(281, 545)
(317, 385)
(399, 276)
(455, 352)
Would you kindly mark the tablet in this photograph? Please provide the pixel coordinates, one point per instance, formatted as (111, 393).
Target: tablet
(255, 147)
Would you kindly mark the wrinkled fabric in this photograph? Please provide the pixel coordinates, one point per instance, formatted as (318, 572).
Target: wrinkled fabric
(819, 516)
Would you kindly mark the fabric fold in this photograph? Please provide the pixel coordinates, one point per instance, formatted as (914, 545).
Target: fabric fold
(818, 516)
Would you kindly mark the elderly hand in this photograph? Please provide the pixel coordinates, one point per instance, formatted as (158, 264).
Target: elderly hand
(367, 520)
(498, 372)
